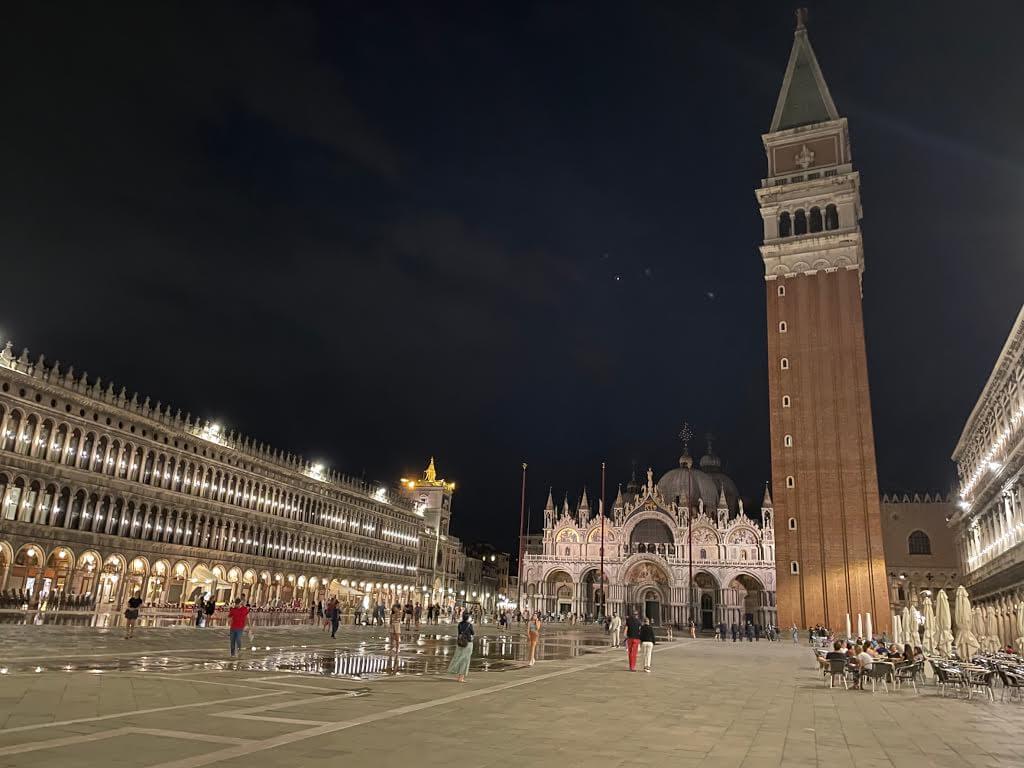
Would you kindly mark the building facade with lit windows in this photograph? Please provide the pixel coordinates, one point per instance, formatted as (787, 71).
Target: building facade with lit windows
(988, 525)
(690, 523)
(103, 494)
(920, 554)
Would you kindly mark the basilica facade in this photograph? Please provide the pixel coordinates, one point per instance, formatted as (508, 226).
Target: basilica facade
(679, 548)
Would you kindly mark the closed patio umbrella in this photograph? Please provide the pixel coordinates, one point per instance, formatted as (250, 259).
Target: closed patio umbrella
(1020, 627)
(928, 643)
(992, 625)
(909, 626)
(979, 629)
(897, 630)
(943, 626)
(860, 626)
(966, 641)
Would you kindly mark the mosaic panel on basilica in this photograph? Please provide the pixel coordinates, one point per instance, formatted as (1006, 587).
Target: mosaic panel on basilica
(679, 548)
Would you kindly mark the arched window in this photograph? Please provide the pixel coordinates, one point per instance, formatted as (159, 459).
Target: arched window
(790, 482)
(815, 220)
(786, 401)
(703, 554)
(785, 224)
(784, 363)
(787, 441)
(794, 567)
(783, 327)
(919, 543)
(782, 290)
(800, 223)
(792, 523)
(831, 217)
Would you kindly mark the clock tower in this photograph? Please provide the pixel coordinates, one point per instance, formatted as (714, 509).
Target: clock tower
(829, 556)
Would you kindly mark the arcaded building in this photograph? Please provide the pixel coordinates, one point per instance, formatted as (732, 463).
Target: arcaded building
(988, 525)
(674, 549)
(829, 551)
(103, 494)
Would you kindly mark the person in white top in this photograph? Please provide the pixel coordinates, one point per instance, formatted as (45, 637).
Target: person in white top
(864, 661)
(615, 628)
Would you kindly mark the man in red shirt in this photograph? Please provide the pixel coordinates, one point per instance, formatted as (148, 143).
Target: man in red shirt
(238, 615)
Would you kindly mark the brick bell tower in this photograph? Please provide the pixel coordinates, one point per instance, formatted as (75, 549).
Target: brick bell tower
(829, 554)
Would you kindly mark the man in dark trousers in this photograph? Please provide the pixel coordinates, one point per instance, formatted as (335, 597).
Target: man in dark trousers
(632, 639)
(735, 631)
(721, 632)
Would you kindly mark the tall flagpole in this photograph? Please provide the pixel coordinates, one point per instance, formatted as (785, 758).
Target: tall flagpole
(522, 513)
(604, 595)
(685, 434)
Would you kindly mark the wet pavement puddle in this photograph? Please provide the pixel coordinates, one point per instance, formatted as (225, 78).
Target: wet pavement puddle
(425, 654)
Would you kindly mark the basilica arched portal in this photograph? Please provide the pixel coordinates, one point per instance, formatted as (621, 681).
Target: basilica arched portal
(648, 590)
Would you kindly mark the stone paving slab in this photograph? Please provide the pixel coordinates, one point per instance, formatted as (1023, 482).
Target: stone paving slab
(705, 703)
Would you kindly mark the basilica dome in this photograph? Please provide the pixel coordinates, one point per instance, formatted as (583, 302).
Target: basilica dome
(676, 483)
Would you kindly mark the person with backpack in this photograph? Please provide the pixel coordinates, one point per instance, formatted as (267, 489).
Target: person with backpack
(463, 650)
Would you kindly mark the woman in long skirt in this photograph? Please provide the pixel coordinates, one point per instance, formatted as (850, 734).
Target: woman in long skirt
(463, 650)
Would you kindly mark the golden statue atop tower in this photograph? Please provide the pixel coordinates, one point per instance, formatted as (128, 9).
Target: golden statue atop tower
(429, 479)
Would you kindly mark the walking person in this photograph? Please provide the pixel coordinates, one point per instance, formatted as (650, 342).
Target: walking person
(693, 629)
(532, 637)
(417, 613)
(200, 612)
(615, 629)
(795, 633)
(750, 632)
(334, 615)
(239, 616)
(735, 631)
(131, 615)
(463, 650)
(721, 631)
(646, 643)
(632, 639)
(209, 607)
(395, 628)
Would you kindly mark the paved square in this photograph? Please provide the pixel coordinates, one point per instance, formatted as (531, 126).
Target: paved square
(171, 699)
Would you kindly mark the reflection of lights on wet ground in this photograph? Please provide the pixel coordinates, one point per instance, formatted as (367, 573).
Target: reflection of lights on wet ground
(39, 669)
(3, 670)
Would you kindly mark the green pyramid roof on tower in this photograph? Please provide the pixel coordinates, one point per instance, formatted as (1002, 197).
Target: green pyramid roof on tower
(804, 98)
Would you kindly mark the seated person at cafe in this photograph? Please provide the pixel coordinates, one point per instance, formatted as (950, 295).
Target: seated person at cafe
(837, 652)
(864, 662)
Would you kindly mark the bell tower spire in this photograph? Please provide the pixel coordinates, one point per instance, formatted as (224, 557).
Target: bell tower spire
(829, 556)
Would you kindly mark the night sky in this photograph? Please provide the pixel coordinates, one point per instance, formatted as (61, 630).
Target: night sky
(372, 232)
